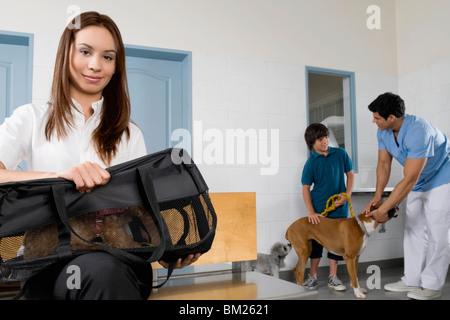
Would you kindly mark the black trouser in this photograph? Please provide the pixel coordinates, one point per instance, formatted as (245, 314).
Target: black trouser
(317, 250)
(102, 276)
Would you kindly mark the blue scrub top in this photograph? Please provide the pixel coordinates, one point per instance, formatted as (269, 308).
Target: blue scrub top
(418, 139)
(327, 176)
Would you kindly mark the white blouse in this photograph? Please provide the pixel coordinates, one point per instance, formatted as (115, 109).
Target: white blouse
(22, 137)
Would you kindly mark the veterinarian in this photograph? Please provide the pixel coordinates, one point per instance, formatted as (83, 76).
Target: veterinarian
(423, 151)
(326, 170)
(84, 128)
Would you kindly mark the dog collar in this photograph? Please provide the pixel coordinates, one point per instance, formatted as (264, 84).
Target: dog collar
(362, 226)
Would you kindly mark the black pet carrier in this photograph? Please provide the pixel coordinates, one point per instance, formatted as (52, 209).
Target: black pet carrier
(153, 208)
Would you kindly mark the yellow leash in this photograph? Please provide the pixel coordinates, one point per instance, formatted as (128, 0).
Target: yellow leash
(331, 206)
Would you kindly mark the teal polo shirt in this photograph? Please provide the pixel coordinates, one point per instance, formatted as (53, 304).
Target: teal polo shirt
(418, 139)
(327, 175)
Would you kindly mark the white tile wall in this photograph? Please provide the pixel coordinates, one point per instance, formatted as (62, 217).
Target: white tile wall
(427, 93)
(368, 87)
(234, 93)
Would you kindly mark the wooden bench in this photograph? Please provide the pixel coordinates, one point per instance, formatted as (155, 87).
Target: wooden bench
(235, 238)
(235, 242)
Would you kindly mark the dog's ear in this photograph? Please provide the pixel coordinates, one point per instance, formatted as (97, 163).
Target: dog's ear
(375, 206)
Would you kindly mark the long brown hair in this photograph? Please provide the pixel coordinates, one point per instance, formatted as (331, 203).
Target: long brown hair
(116, 109)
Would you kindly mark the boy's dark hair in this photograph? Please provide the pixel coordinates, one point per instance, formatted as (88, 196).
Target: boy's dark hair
(313, 132)
(388, 103)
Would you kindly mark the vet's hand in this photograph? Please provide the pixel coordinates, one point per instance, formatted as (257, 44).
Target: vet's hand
(379, 216)
(314, 218)
(86, 176)
(375, 200)
(182, 263)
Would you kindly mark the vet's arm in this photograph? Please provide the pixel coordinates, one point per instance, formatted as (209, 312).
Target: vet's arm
(383, 174)
(86, 175)
(411, 172)
(313, 217)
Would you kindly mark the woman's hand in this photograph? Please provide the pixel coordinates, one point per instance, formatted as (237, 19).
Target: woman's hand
(86, 176)
(181, 263)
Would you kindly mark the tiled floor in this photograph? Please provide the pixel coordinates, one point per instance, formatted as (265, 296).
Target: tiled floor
(387, 275)
(257, 286)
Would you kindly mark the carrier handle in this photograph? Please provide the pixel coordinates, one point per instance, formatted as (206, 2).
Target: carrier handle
(151, 204)
(148, 187)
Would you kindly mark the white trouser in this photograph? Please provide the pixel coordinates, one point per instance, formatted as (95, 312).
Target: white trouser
(426, 239)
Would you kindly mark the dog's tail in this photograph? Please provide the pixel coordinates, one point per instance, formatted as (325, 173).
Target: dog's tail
(287, 236)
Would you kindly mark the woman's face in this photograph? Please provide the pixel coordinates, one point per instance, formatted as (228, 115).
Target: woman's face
(92, 62)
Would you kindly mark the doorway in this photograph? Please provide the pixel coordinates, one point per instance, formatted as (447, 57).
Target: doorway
(331, 101)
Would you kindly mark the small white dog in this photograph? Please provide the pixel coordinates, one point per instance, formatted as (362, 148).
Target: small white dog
(271, 263)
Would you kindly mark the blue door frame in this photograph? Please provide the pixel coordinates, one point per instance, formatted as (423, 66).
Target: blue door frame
(351, 75)
(185, 58)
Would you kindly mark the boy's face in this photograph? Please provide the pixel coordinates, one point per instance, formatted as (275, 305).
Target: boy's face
(321, 145)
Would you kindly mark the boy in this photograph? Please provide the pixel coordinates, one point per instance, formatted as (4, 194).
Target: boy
(325, 169)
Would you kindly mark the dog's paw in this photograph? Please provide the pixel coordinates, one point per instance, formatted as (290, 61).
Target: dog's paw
(359, 293)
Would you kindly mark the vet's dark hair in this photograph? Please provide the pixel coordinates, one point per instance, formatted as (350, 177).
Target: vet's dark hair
(313, 132)
(388, 103)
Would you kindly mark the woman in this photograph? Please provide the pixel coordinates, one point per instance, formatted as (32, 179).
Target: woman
(83, 129)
